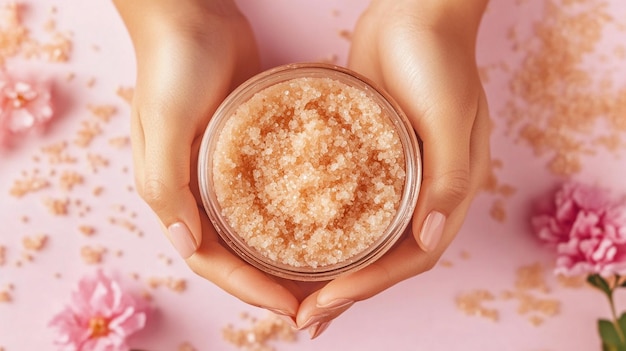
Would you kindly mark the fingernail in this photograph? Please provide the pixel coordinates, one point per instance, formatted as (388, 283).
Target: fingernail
(336, 304)
(432, 229)
(182, 239)
(285, 316)
(316, 319)
(317, 329)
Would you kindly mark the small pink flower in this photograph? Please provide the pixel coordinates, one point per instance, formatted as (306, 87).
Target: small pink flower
(24, 105)
(588, 229)
(102, 316)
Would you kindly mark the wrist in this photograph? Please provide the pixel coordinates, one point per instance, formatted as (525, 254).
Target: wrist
(151, 23)
(453, 17)
(150, 15)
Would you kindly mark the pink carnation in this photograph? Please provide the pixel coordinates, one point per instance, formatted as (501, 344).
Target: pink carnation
(588, 229)
(24, 106)
(102, 316)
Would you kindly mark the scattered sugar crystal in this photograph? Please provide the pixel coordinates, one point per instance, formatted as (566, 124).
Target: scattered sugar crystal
(261, 334)
(92, 255)
(35, 243)
(2, 255)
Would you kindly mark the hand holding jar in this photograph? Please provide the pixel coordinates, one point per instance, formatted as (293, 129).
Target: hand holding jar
(420, 52)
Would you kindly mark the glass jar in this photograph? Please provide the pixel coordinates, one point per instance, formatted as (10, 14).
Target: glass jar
(257, 210)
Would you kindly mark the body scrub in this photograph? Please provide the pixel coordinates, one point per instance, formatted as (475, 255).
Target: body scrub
(307, 171)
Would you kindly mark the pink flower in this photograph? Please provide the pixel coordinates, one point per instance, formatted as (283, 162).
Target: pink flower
(101, 317)
(588, 229)
(24, 106)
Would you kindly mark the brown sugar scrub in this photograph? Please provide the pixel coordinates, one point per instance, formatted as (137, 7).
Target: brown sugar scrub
(308, 171)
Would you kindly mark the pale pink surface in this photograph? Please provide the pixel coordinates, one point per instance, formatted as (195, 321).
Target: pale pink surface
(99, 299)
(419, 314)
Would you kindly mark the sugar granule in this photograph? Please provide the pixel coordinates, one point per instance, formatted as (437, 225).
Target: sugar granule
(261, 333)
(13, 34)
(573, 282)
(28, 183)
(163, 258)
(557, 101)
(126, 93)
(35, 243)
(532, 277)
(27, 257)
(50, 25)
(465, 255)
(498, 210)
(309, 172)
(58, 49)
(119, 142)
(3, 253)
(124, 223)
(92, 255)
(446, 263)
(536, 320)
(103, 112)
(173, 284)
(345, 34)
(472, 303)
(87, 230)
(57, 207)
(96, 162)
(87, 132)
(57, 153)
(69, 179)
(97, 191)
(15, 37)
(5, 296)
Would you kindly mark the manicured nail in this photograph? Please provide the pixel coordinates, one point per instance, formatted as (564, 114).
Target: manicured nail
(316, 319)
(182, 239)
(285, 316)
(317, 329)
(432, 229)
(336, 305)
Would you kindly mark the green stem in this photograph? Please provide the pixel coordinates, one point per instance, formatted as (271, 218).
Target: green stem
(618, 328)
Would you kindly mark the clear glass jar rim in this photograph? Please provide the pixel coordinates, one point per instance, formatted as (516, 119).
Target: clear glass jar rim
(413, 170)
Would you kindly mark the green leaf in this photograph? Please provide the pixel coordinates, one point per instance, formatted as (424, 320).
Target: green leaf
(597, 281)
(606, 347)
(622, 323)
(608, 334)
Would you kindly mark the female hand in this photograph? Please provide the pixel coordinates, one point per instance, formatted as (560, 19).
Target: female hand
(190, 55)
(422, 53)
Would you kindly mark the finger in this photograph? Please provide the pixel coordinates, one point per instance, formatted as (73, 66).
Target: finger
(319, 309)
(317, 320)
(166, 180)
(217, 264)
(443, 114)
(173, 109)
(405, 260)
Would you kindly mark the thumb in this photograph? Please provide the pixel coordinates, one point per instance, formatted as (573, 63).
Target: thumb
(167, 175)
(445, 132)
(443, 120)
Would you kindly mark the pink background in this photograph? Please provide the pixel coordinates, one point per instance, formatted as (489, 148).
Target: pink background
(419, 314)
